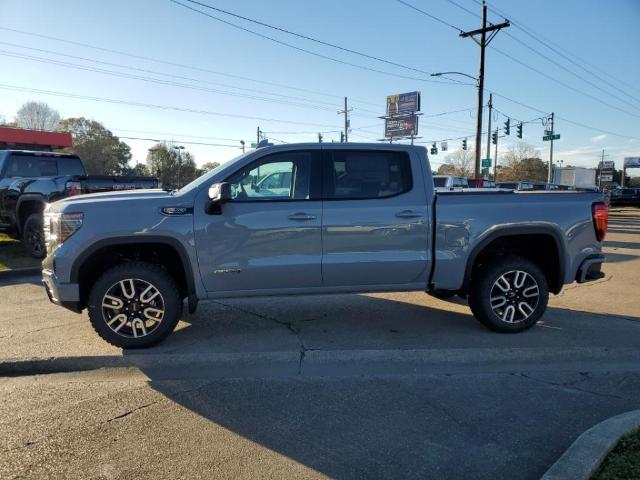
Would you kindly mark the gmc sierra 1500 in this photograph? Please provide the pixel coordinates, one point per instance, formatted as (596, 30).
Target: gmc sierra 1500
(341, 218)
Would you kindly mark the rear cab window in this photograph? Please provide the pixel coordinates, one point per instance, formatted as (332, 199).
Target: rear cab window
(31, 166)
(365, 174)
(70, 166)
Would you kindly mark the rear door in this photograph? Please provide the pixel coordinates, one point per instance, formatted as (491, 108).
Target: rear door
(375, 228)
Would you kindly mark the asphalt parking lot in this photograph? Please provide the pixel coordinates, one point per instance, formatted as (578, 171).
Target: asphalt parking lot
(397, 385)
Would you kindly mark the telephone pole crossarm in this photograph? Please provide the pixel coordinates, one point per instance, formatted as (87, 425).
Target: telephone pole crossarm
(488, 29)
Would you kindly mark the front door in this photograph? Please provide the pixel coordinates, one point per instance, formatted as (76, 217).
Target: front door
(376, 223)
(268, 236)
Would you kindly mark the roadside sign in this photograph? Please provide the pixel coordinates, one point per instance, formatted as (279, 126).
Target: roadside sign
(485, 172)
(486, 162)
(403, 103)
(631, 162)
(606, 178)
(546, 138)
(254, 145)
(444, 146)
(607, 164)
(401, 127)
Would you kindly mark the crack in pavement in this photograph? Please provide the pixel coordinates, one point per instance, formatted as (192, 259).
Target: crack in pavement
(570, 386)
(129, 412)
(293, 329)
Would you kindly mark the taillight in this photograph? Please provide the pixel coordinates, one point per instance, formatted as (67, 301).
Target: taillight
(600, 220)
(74, 188)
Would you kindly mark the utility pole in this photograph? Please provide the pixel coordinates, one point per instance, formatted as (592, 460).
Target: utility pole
(483, 42)
(346, 119)
(549, 175)
(600, 167)
(258, 134)
(489, 126)
(495, 159)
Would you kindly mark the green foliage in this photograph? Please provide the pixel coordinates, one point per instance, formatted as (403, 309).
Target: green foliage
(173, 167)
(623, 462)
(100, 150)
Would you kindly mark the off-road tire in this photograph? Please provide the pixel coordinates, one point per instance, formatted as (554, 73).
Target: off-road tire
(485, 281)
(141, 272)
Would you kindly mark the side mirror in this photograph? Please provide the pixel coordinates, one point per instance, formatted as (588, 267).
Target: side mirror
(219, 193)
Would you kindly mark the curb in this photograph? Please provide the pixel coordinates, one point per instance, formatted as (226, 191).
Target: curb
(12, 274)
(584, 456)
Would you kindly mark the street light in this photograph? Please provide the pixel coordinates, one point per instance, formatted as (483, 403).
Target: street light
(242, 143)
(479, 120)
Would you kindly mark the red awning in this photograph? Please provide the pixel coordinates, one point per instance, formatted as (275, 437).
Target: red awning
(35, 137)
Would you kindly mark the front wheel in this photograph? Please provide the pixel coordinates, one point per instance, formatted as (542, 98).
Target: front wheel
(134, 305)
(509, 295)
(33, 236)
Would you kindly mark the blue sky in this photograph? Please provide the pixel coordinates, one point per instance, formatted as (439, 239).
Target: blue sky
(251, 69)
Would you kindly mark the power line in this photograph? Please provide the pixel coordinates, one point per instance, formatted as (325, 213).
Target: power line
(558, 65)
(437, 19)
(168, 134)
(576, 60)
(161, 81)
(173, 140)
(304, 37)
(156, 106)
(319, 55)
(180, 65)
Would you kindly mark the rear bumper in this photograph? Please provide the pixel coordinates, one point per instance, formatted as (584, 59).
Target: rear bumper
(64, 294)
(590, 269)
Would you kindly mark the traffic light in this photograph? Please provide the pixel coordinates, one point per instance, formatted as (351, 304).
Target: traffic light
(341, 137)
(434, 149)
(507, 127)
(464, 143)
(519, 130)
(319, 137)
(494, 137)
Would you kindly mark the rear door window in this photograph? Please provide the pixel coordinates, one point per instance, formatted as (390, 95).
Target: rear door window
(354, 174)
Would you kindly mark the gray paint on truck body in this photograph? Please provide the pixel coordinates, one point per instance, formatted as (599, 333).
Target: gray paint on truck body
(252, 248)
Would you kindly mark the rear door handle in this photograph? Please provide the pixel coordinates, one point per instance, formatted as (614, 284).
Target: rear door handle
(408, 214)
(301, 216)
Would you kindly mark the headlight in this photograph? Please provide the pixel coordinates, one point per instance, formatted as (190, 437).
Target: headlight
(60, 226)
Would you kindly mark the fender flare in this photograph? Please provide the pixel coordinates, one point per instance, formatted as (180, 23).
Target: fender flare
(165, 240)
(508, 231)
(28, 197)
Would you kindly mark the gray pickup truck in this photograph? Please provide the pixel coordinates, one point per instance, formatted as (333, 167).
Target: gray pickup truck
(315, 218)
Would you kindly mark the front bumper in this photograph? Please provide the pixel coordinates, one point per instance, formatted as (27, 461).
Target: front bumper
(64, 294)
(590, 269)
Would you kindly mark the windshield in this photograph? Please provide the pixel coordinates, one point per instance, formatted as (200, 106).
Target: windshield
(440, 182)
(206, 176)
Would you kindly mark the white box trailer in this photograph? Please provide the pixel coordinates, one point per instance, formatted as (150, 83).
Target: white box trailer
(578, 177)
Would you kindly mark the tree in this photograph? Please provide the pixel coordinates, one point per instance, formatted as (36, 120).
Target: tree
(140, 170)
(207, 167)
(173, 167)
(459, 162)
(37, 116)
(522, 162)
(100, 150)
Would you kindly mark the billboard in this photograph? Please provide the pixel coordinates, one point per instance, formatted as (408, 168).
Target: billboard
(631, 162)
(607, 165)
(403, 103)
(401, 127)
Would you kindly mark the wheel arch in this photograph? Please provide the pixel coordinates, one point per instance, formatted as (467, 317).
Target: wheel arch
(165, 251)
(527, 241)
(27, 205)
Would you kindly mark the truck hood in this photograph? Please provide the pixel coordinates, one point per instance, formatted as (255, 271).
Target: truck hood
(112, 198)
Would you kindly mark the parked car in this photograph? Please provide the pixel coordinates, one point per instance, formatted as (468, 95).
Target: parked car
(546, 186)
(31, 180)
(625, 197)
(481, 183)
(354, 218)
(515, 185)
(450, 182)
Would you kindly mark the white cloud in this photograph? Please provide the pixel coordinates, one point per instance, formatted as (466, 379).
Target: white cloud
(598, 138)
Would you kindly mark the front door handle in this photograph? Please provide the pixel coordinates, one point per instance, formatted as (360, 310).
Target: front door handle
(301, 216)
(408, 214)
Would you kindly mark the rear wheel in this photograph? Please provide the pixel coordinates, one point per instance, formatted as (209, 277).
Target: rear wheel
(509, 295)
(134, 305)
(33, 236)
